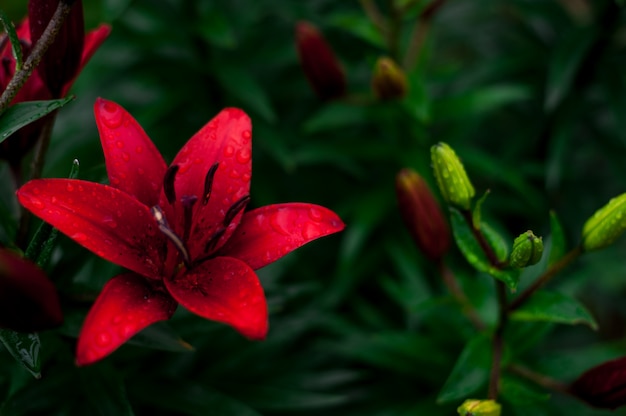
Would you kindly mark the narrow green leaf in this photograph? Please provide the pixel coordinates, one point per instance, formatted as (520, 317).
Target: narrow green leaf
(470, 372)
(335, 115)
(105, 391)
(160, 336)
(554, 307)
(480, 101)
(16, 47)
(21, 114)
(418, 103)
(24, 347)
(474, 254)
(519, 392)
(557, 239)
(476, 213)
(358, 25)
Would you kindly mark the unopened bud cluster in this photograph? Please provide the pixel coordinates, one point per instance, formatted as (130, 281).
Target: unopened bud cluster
(527, 250)
(453, 182)
(472, 407)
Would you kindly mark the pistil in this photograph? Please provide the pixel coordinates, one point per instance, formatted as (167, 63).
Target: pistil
(165, 228)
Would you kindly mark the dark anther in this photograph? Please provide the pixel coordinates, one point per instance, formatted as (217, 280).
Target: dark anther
(208, 183)
(188, 201)
(158, 215)
(210, 245)
(168, 183)
(234, 209)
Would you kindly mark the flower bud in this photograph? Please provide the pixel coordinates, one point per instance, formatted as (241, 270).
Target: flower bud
(319, 63)
(603, 386)
(453, 182)
(473, 407)
(421, 214)
(389, 81)
(28, 300)
(527, 250)
(61, 61)
(606, 225)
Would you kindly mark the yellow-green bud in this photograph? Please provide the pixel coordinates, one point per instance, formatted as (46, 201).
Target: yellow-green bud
(389, 81)
(453, 182)
(527, 250)
(472, 407)
(606, 225)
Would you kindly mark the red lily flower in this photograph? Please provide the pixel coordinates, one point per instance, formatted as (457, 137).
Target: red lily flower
(180, 230)
(57, 79)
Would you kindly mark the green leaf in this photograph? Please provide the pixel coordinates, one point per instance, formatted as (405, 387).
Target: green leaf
(471, 371)
(476, 213)
(335, 115)
(480, 101)
(554, 307)
(565, 63)
(21, 114)
(16, 47)
(474, 254)
(244, 87)
(358, 25)
(24, 347)
(217, 30)
(519, 392)
(105, 391)
(160, 336)
(418, 103)
(557, 239)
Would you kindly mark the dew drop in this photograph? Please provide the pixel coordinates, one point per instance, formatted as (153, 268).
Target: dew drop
(36, 191)
(246, 135)
(245, 177)
(112, 117)
(37, 203)
(139, 149)
(309, 231)
(125, 157)
(315, 214)
(54, 200)
(197, 161)
(79, 237)
(229, 151)
(110, 222)
(234, 174)
(117, 319)
(69, 187)
(279, 221)
(103, 339)
(244, 156)
(119, 144)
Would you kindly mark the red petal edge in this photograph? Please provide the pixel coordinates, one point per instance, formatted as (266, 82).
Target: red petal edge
(226, 290)
(127, 304)
(102, 219)
(268, 233)
(133, 163)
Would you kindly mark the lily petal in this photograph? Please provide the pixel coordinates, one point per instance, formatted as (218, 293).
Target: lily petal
(133, 163)
(28, 300)
(268, 233)
(226, 290)
(105, 220)
(127, 304)
(226, 140)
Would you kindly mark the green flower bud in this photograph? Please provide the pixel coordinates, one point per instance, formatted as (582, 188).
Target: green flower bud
(453, 182)
(389, 81)
(527, 250)
(606, 225)
(472, 407)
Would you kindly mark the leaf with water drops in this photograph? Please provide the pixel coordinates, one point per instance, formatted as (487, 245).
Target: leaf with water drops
(21, 114)
(24, 347)
(16, 47)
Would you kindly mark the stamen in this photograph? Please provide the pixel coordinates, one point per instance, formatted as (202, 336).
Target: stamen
(188, 201)
(234, 210)
(157, 213)
(210, 245)
(208, 183)
(168, 183)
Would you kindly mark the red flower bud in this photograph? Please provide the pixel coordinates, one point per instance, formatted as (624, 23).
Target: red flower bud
(319, 62)
(603, 386)
(28, 300)
(421, 214)
(62, 59)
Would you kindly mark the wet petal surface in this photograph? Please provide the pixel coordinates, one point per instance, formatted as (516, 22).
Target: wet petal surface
(226, 290)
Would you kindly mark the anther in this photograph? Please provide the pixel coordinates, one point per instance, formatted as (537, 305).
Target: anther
(168, 183)
(164, 227)
(188, 202)
(208, 183)
(210, 245)
(234, 210)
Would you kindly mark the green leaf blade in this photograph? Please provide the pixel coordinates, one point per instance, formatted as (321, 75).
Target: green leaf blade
(554, 307)
(21, 114)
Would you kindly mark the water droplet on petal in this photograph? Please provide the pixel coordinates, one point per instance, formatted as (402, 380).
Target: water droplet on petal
(119, 144)
(139, 149)
(309, 231)
(78, 237)
(54, 200)
(229, 151)
(125, 157)
(244, 156)
(103, 339)
(110, 222)
(112, 116)
(315, 214)
(245, 177)
(36, 191)
(246, 135)
(279, 221)
(37, 203)
(69, 187)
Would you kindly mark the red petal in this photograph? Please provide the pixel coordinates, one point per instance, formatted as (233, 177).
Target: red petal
(268, 233)
(133, 163)
(226, 290)
(28, 300)
(226, 140)
(105, 220)
(127, 304)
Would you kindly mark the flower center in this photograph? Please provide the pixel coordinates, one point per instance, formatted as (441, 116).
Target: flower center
(187, 203)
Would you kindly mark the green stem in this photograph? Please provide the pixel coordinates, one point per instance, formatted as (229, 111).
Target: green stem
(420, 31)
(374, 15)
(457, 293)
(498, 343)
(40, 48)
(545, 277)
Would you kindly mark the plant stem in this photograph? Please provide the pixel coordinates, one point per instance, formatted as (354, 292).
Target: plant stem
(374, 15)
(545, 277)
(393, 35)
(498, 342)
(482, 241)
(458, 294)
(539, 379)
(420, 30)
(40, 48)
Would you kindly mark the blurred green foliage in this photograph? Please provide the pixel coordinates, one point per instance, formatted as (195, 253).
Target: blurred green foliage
(530, 93)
